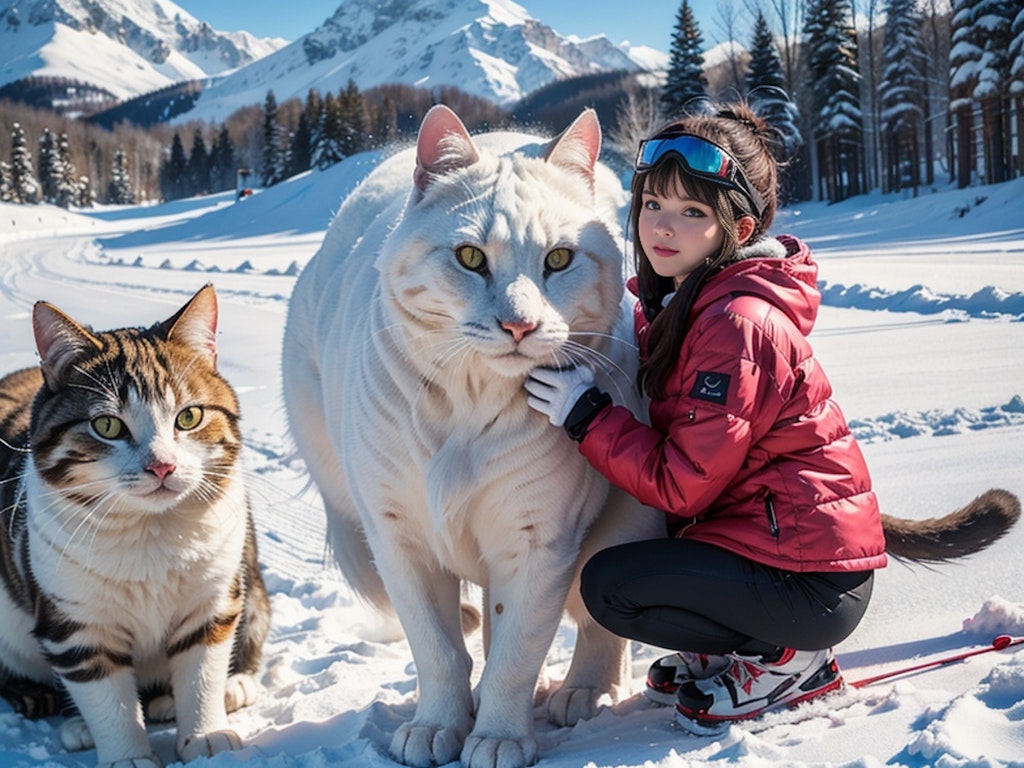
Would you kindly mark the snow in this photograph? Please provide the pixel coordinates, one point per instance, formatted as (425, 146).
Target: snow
(489, 48)
(920, 331)
(73, 48)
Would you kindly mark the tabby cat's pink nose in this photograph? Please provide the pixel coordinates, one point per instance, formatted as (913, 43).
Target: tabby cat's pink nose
(519, 331)
(161, 468)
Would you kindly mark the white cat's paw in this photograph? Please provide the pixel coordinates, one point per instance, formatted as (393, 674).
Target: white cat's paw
(75, 735)
(422, 746)
(241, 691)
(491, 752)
(149, 761)
(161, 709)
(567, 706)
(208, 744)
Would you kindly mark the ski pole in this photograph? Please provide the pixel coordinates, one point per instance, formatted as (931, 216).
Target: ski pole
(999, 643)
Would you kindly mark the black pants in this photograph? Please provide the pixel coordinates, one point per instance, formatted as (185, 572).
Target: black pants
(690, 596)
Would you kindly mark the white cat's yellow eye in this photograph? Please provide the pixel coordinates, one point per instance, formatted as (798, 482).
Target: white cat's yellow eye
(471, 257)
(189, 418)
(109, 427)
(558, 259)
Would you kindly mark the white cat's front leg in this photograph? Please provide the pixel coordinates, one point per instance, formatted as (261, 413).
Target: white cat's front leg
(600, 661)
(198, 677)
(526, 597)
(427, 601)
(111, 710)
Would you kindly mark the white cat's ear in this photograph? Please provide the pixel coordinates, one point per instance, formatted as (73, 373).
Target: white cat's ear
(195, 324)
(60, 341)
(443, 146)
(577, 147)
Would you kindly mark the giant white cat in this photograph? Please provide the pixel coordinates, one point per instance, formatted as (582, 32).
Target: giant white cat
(452, 271)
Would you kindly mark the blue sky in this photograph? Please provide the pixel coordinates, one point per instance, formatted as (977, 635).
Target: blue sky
(648, 22)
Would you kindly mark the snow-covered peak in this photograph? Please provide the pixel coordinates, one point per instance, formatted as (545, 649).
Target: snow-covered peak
(127, 47)
(490, 48)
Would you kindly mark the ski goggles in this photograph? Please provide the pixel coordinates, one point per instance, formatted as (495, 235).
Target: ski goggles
(702, 159)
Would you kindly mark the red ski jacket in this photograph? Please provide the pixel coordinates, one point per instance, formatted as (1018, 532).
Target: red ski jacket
(748, 448)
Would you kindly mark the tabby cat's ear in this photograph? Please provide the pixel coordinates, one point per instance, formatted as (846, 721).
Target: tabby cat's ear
(195, 324)
(443, 146)
(577, 147)
(60, 341)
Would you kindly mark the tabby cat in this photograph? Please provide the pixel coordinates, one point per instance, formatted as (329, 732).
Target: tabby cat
(128, 557)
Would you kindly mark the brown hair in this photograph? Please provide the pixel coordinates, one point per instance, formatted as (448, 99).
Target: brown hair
(749, 139)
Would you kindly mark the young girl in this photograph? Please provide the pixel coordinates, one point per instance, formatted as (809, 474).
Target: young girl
(777, 530)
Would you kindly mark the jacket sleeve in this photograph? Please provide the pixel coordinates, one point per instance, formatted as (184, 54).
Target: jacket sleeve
(729, 392)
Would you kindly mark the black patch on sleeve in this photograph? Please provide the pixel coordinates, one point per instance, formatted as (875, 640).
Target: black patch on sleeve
(711, 386)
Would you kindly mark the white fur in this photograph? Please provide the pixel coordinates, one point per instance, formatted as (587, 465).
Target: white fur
(405, 396)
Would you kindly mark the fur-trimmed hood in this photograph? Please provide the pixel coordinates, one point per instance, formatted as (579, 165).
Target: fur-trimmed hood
(780, 270)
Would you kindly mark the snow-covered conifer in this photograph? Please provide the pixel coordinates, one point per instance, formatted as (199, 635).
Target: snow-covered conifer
(68, 181)
(901, 91)
(121, 190)
(766, 91)
(685, 82)
(47, 167)
(23, 184)
(831, 43)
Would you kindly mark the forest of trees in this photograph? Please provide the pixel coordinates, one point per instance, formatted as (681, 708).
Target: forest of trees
(923, 88)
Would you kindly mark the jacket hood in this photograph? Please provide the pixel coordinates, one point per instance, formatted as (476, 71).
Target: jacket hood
(779, 270)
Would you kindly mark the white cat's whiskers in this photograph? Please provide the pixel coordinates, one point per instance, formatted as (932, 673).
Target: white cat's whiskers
(581, 353)
(69, 513)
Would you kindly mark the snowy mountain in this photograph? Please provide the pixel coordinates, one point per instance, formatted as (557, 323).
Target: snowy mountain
(122, 47)
(489, 48)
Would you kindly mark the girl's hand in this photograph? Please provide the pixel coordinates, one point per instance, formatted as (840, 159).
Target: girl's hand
(554, 392)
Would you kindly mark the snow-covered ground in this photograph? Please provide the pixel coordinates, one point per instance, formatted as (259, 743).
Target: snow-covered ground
(921, 332)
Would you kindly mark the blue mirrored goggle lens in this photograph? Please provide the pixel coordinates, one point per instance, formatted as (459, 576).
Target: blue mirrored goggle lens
(699, 155)
(701, 158)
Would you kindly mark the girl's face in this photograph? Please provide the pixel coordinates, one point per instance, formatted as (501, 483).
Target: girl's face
(677, 233)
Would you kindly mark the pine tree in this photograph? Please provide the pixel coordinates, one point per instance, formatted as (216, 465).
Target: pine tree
(5, 182)
(1016, 87)
(302, 146)
(831, 43)
(173, 171)
(901, 90)
(964, 60)
(275, 144)
(83, 192)
(352, 126)
(24, 187)
(767, 93)
(68, 181)
(121, 191)
(222, 162)
(995, 18)
(47, 169)
(327, 150)
(685, 81)
(198, 172)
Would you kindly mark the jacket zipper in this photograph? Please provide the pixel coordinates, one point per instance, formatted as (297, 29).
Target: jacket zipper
(773, 522)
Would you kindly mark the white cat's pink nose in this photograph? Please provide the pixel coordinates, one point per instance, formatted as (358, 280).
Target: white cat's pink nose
(519, 331)
(161, 468)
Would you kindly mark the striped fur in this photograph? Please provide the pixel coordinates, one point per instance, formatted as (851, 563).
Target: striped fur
(128, 563)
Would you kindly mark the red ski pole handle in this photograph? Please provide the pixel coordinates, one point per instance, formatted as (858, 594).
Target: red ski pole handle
(999, 643)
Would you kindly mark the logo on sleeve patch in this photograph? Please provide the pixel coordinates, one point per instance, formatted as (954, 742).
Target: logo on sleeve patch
(711, 386)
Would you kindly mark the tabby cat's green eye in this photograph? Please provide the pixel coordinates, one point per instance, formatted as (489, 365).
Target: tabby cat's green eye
(558, 259)
(189, 418)
(110, 427)
(471, 257)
